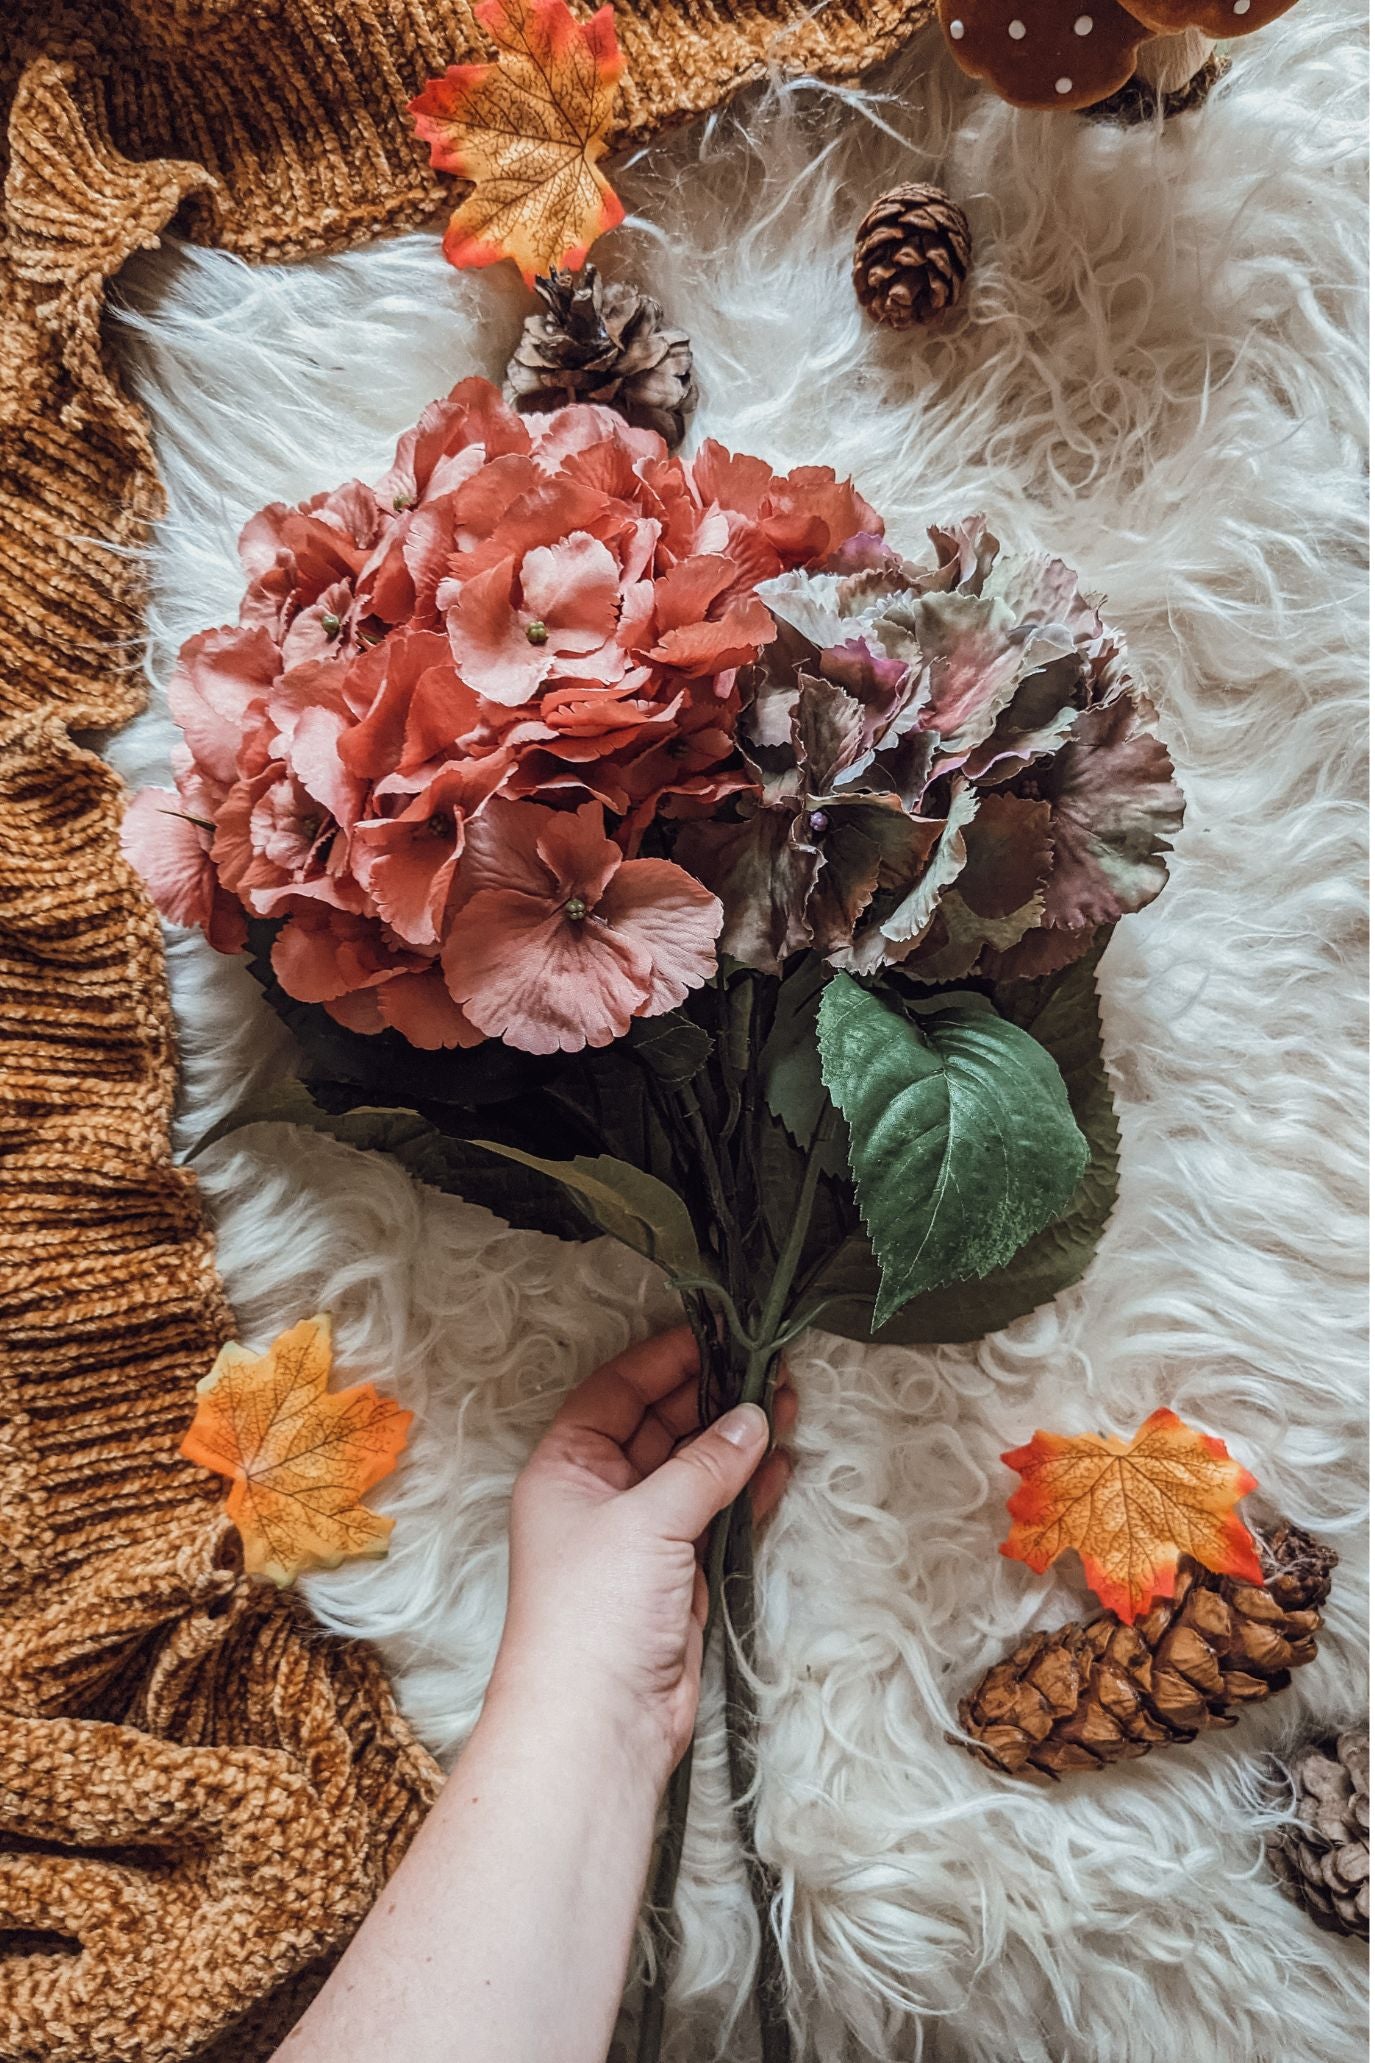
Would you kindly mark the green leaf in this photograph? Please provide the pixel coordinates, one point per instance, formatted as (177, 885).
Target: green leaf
(962, 1141)
(633, 1207)
(790, 1065)
(671, 1047)
(1061, 1013)
(528, 1201)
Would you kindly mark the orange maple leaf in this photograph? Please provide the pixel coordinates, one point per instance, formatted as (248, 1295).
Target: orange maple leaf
(528, 131)
(1131, 1509)
(299, 1460)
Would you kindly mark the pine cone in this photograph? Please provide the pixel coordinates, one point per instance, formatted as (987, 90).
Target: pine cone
(911, 256)
(1322, 1859)
(1096, 1691)
(599, 340)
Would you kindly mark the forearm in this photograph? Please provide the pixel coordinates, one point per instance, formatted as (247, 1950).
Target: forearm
(505, 1934)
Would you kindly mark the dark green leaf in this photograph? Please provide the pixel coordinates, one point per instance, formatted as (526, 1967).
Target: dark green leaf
(671, 1047)
(1061, 1013)
(525, 1199)
(790, 1065)
(633, 1207)
(387, 1064)
(962, 1141)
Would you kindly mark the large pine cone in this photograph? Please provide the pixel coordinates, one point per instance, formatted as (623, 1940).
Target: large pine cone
(1096, 1691)
(911, 256)
(1323, 1858)
(600, 340)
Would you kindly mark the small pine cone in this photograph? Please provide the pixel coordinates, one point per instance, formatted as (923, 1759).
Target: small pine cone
(599, 340)
(1322, 1859)
(1096, 1691)
(911, 256)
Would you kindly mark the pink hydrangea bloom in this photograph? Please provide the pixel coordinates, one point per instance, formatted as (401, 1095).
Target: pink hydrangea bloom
(561, 940)
(524, 640)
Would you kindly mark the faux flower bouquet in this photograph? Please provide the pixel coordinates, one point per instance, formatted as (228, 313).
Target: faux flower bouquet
(645, 847)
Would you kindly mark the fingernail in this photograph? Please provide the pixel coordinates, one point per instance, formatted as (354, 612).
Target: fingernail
(743, 1426)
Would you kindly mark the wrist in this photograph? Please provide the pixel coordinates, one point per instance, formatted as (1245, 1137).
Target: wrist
(587, 1725)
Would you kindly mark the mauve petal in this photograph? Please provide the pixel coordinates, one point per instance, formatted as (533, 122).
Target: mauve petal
(566, 431)
(702, 648)
(221, 677)
(810, 513)
(488, 641)
(687, 591)
(171, 855)
(407, 862)
(539, 980)
(478, 506)
(572, 586)
(542, 515)
(501, 851)
(735, 480)
(422, 1010)
(314, 759)
(472, 416)
(327, 954)
(384, 685)
(359, 1011)
(575, 848)
(260, 540)
(674, 920)
(609, 467)
(307, 638)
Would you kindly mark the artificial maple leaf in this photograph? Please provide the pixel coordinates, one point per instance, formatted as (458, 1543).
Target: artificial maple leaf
(1131, 1509)
(299, 1459)
(528, 131)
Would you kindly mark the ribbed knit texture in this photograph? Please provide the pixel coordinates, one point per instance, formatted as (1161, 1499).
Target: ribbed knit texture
(200, 1793)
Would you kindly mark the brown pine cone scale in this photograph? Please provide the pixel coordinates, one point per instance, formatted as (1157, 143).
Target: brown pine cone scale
(602, 340)
(912, 255)
(1322, 1856)
(1095, 1691)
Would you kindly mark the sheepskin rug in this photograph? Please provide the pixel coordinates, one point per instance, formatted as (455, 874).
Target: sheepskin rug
(1159, 374)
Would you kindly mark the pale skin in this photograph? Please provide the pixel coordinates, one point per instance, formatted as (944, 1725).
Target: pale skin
(505, 1934)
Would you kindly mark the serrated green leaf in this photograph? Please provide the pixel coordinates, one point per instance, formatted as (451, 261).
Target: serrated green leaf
(790, 1065)
(528, 1201)
(962, 1141)
(632, 1206)
(1061, 1013)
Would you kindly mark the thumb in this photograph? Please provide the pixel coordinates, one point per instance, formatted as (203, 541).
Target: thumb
(682, 1497)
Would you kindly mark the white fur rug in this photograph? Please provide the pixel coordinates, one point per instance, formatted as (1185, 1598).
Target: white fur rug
(1159, 374)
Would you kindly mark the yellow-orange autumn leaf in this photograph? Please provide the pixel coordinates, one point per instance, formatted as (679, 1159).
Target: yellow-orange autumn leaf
(528, 131)
(298, 1458)
(1131, 1509)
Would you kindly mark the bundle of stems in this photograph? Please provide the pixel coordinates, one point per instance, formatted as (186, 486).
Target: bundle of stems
(743, 1319)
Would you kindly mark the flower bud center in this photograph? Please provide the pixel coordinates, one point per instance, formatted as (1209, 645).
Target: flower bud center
(575, 908)
(537, 632)
(817, 821)
(330, 624)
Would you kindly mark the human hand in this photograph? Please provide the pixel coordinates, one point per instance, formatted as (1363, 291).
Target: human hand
(607, 1601)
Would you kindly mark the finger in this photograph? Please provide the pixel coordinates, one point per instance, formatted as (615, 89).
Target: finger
(681, 1498)
(784, 1410)
(771, 1479)
(614, 1399)
(663, 1426)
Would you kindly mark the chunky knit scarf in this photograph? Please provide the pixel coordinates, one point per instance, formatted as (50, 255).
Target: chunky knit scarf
(200, 1793)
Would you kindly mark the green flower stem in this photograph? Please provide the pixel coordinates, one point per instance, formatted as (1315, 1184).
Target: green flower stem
(742, 1749)
(662, 1886)
(730, 1550)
